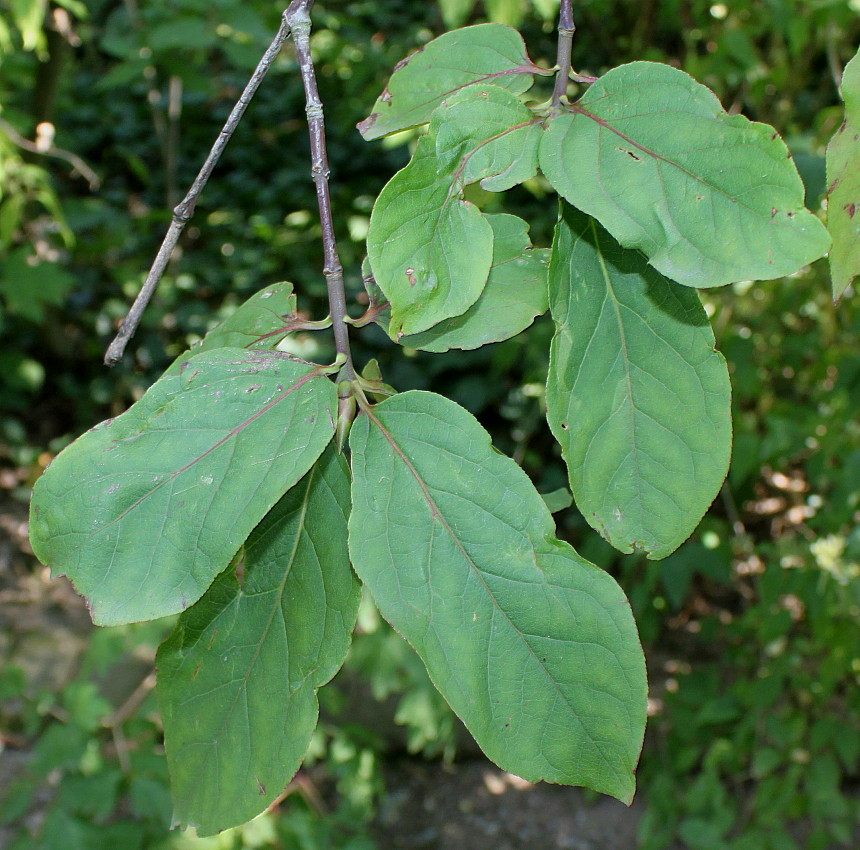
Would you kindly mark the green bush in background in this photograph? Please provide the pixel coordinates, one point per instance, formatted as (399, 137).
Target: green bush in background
(751, 627)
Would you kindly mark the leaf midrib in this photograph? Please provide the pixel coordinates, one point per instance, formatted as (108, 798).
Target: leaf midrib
(434, 510)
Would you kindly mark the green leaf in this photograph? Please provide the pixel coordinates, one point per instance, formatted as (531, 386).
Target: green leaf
(455, 12)
(29, 286)
(514, 294)
(237, 678)
(260, 322)
(533, 647)
(490, 54)
(143, 511)
(710, 198)
(430, 251)
(636, 394)
(509, 12)
(483, 133)
(843, 180)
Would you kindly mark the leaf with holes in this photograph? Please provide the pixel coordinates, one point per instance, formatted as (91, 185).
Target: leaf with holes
(489, 54)
(636, 394)
(143, 511)
(514, 294)
(260, 322)
(843, 180)
(533, 647)
(710, 198)
(237, 678)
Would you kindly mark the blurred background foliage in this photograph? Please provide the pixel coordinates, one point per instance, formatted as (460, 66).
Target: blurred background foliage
(107, 108)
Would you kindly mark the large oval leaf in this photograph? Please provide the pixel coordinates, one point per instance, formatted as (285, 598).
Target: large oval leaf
(636, 394)
(237, 678)
(514, 294)
(430, 251)
(843, 180)
(710, 198)
(534, 648)
(143, 511)
(491, 54)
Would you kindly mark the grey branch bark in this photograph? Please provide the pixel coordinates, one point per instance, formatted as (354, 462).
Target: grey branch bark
(298, 18)
(185, 209)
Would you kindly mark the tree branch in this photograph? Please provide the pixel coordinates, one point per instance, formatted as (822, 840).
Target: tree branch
(185, 209)
(298, 18)
(566, 29)
(51, 150)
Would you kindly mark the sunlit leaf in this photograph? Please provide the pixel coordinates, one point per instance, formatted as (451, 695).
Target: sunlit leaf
(484, 133)
(455, 12)
(533, 647)
(492, 54)
(636, 394)
(710, 198)
(143, 511)
(237, 678)
(429, 249)
(843, 180)
(514, 294)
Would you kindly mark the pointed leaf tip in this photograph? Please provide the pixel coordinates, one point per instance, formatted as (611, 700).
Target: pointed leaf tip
(533, 647)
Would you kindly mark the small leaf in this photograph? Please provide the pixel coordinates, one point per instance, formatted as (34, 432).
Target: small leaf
(514, 294)
(490, 54)
(143, 511)
(557, 500)
(636, 394)
(533, 647)
(710, 198)
(430, 251)
(483, 133)
(378, 307)
(509, 12)
(455, 12)
(260, 322)
(843, 180)
(237, 678)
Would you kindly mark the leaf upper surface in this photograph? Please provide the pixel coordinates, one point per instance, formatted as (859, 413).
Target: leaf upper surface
(710, 198)
(143, 511)
(843, 180)
(636, 394)
(237, 678)
(491, 54)
(430, 251)
(260, 322)
(533, 647)
(514, 294)
(484, 133)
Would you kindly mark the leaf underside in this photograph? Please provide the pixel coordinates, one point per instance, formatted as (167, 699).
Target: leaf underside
(843, 181)
(710, 198)
(143, 511)
(260, 322)
(533, 647)
(237, 678)
(636, 394)
(488, 54)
